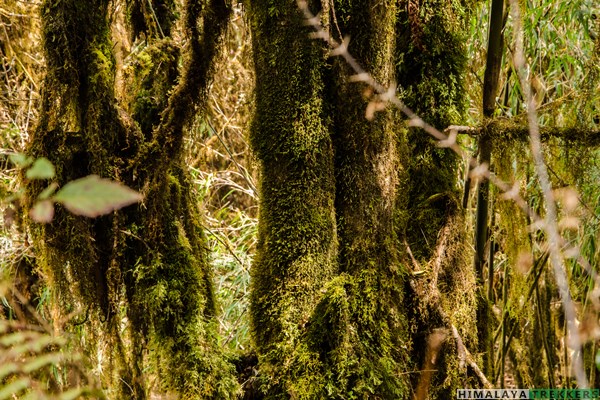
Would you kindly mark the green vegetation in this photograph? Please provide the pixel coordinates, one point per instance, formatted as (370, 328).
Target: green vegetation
(291, 236)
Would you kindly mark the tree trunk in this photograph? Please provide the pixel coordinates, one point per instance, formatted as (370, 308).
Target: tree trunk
(146, 264)
(367, 170)
(297, 248)
(328, 310)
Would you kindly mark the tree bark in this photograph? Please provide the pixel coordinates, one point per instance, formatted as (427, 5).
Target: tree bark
(331, 213)
(297, 248)
(146, 264)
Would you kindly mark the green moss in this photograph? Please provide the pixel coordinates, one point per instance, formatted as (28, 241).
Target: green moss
(149, 260)
(360, 350)
(344, 351)
(149, 78)
(368, 172)
(528, 308)
(327, 197)
(430, 68)
(430, 64)
(297, 240)
(153, 19)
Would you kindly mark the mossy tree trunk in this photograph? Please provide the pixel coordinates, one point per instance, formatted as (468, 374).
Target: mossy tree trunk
(431, 62)
(340, 194)
(368, 165)
(146, 264)
(297, 249)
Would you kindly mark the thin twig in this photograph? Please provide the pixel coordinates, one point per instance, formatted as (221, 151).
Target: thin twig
(29, 76)
(413, 259)
(25, 302)
(463, 352)
(227, 247)
(162, 34)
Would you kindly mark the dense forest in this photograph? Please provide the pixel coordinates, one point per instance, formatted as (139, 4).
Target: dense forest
(335, 199)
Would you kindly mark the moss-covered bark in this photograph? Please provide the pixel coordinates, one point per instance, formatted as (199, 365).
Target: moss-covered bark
(153, 19)
(297, 247)
(79, 131)
(146, 264)
(367, 168)
(321, 157)
(431, 60)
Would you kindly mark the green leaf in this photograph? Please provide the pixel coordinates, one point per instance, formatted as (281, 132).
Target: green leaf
(93, 196)
(42, 212)
(42, 168)
(49, 191)
(21, 160)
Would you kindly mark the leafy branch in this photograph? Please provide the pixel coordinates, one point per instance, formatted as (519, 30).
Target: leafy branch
(90, 196)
